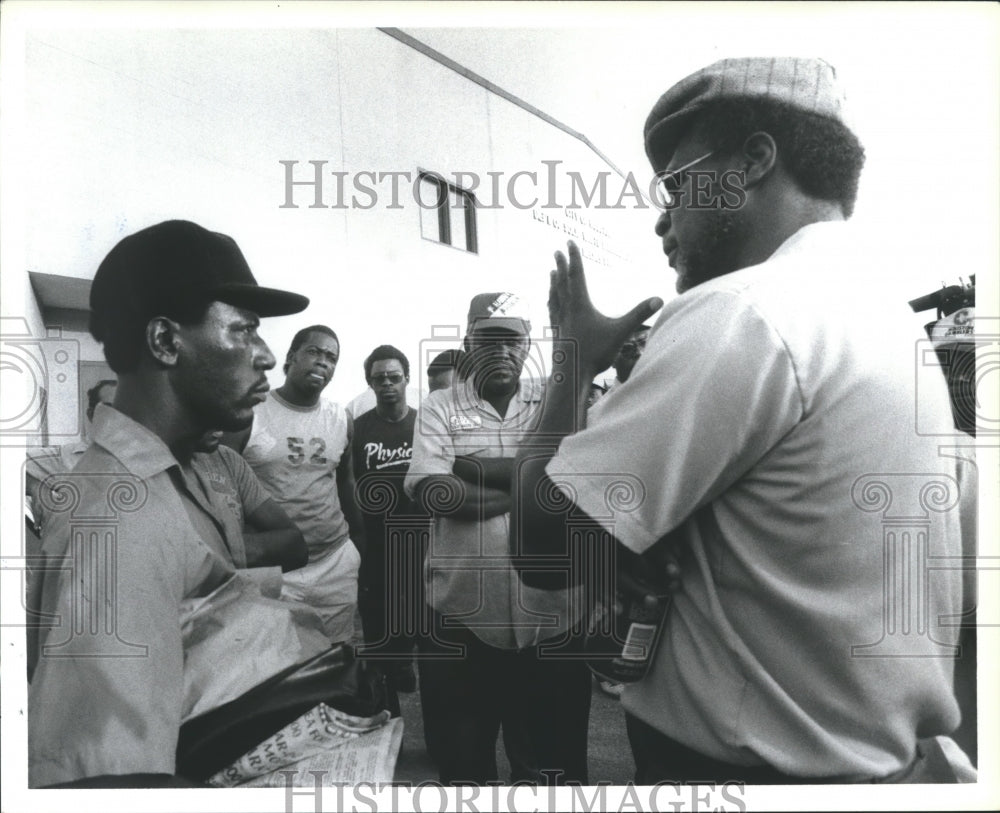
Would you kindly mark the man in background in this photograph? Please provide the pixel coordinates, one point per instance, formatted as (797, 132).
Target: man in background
(628, 355)
(441, 370)
(389, 593)
(501, 654)
(46, 460)
(299, 445)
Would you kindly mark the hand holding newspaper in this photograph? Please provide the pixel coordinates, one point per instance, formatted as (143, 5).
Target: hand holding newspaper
(317, 731)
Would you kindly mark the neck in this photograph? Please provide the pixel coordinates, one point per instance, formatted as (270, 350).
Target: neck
(392, 412)
(776, 222)
(148, 400)
(297, 397)
(498, 399)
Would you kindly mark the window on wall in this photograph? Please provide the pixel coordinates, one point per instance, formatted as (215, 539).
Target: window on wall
(447, 213)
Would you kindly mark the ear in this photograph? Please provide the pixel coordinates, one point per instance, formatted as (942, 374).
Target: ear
(162, 340)
(760, 155)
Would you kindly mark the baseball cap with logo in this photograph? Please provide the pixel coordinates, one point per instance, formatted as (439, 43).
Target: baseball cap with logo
(805, 84)
(500, 309)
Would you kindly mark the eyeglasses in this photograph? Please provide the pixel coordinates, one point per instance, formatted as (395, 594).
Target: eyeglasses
(392, 378)
(315, 352)
(671, 182)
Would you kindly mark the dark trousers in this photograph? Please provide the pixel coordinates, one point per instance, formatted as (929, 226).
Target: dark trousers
(541, 701)
(658, 758)
(390, 590)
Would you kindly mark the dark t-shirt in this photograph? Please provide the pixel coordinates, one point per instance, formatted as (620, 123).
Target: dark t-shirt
(382, 451)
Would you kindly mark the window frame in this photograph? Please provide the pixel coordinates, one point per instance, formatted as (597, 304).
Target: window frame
(445, 189)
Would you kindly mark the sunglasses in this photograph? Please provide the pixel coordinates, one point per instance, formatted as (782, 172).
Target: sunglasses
(391, 378)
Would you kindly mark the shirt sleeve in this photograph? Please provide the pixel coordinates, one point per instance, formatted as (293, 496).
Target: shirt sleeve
(107, 694)
(712, 394)
(248, 486)
(433, 447)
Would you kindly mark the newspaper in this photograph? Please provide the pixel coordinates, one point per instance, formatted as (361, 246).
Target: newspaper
(369, 758)
(320, 732)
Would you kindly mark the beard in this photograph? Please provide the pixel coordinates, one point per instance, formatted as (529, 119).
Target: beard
(711, 253)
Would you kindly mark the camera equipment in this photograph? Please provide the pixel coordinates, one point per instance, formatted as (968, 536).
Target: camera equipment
(953, 336)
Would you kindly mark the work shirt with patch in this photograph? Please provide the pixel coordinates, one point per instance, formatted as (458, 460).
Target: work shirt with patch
(468, 575)
(231, 483)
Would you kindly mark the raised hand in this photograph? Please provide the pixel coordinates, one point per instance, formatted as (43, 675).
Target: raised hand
(596, 336)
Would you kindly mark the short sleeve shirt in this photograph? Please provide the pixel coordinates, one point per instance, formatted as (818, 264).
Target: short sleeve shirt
(772, 411)
(231, 481)
(295, 452)
(468, 573)
(382, 452)
(132, 541)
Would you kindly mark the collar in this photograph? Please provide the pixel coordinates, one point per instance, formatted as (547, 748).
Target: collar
(295, 407)
(139, 450)
(811, 234)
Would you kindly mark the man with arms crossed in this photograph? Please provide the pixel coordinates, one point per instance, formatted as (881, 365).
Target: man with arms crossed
(501, 654)
(769, 428)
(269, 538)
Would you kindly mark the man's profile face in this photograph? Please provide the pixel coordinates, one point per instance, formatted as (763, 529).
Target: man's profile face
(594, 394)
(388, 382)
(629, 353)
(221, 371)
(497, 356)
(312, 365)
(701, 241)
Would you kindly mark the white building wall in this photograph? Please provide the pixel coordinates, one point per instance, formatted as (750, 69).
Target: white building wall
(193, 124)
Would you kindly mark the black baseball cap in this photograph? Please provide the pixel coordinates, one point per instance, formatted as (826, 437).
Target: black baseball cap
(179, 263)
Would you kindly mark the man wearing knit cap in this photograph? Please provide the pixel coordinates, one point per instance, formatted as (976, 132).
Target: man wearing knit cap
(152, 623)
(774, 442)
(500, 653)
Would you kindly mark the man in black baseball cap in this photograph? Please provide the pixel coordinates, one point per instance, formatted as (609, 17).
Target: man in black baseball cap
(175, 288)
(174, 630)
